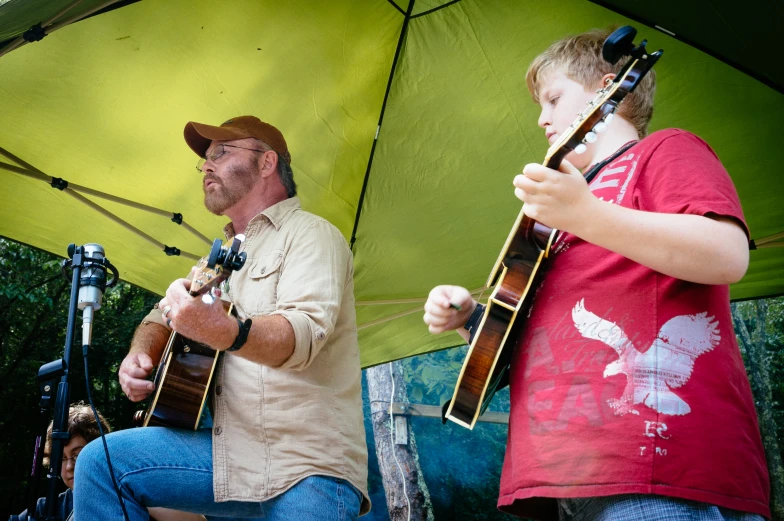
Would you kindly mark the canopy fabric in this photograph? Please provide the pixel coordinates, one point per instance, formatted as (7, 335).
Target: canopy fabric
(18, 17)
(102, 104)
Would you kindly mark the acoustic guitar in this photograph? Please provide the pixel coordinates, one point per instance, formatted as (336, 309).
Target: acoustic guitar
(184, 374)
(518, 269)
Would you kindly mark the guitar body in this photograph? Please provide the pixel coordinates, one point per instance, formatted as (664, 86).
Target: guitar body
(182, 381)
(181, 385)
(518, 269)
(485, 366)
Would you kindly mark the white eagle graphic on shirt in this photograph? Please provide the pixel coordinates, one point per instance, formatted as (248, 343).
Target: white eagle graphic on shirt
(666, 365)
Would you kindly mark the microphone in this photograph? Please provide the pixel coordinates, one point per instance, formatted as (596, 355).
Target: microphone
(92, 284)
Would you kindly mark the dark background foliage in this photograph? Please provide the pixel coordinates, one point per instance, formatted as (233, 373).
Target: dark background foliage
(34, 298)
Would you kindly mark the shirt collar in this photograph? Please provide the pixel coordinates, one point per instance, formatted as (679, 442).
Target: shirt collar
(276, 214)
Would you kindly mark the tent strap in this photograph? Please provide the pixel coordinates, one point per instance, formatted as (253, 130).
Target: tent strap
(59, 183)
(169, 250)
(72, 189)
(418, 300)
(402, 314)
(771, 241)
(390, 318)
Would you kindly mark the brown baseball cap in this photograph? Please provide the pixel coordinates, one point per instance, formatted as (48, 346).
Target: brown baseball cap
(199, 136)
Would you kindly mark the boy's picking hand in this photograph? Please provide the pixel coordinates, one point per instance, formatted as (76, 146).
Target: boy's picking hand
(558, 199)
(448, 308)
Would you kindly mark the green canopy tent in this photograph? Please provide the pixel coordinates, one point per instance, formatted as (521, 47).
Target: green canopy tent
(406, 124)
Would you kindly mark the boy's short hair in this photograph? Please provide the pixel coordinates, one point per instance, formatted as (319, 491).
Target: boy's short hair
(580, 58)
(81, 422)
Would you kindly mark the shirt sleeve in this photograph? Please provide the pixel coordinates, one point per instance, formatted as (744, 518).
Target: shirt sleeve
(155, 316)
(683, 175)
(313, 279)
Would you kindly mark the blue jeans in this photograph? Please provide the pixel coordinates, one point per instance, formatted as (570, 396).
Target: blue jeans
(172, 468)
(642, 507)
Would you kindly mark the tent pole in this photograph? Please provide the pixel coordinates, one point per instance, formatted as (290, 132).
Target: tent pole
(109, 215)
(61, 13)
(43, 177)
(769, 238)
(20, 41)
(73, 19)
(31, 171)
(49, 28)
(420, 300)
(398, 50)
(18, 161)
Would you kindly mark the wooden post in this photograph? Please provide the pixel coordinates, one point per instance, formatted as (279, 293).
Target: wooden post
(403, 481)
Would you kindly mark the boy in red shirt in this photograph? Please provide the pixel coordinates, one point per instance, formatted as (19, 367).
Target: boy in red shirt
(629, 398)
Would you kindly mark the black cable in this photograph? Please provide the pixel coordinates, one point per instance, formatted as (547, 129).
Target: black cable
(103, 436)
(47, 281)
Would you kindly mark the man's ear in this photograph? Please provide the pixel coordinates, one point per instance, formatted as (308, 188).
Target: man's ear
(269, 163)
(607, 78)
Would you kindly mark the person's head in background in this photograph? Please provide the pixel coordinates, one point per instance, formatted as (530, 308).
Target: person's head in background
(82, 428)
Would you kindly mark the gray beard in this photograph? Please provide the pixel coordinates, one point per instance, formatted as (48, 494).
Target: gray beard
(241, 180)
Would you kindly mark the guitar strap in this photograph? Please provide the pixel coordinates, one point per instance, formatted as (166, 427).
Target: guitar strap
(502, 379)
(595, 169)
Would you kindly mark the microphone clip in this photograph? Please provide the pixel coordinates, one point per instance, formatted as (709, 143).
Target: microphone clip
(78, 257)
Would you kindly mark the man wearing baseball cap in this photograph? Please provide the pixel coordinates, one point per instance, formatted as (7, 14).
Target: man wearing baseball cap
(287, 438)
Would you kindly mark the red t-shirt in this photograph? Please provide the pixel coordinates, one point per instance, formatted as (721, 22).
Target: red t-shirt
(626, 380)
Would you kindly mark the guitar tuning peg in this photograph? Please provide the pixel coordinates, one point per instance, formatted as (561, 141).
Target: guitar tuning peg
(600, 127)
(609, 117)
(579, 149)
(590, 137)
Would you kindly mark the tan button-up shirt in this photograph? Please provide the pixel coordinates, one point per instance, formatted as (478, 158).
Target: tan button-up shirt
(274, 426)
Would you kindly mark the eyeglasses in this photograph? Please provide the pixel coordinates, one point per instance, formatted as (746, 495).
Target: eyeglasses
(218, 152)
(72, 459)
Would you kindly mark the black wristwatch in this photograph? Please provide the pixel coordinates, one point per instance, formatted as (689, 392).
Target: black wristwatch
(242, 335)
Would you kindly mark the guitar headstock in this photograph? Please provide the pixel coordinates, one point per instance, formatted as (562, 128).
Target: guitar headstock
(217, 266)
(600, 111)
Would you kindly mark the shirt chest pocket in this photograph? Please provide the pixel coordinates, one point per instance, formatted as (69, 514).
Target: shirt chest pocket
(260, 295)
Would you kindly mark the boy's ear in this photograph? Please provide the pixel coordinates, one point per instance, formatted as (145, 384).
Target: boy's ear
(607, 78)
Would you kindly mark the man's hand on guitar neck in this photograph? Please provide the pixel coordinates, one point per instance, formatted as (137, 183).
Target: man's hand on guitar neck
(448, 308)
(189, 316)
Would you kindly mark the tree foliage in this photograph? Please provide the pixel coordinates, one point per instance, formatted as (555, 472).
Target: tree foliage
(34, 300)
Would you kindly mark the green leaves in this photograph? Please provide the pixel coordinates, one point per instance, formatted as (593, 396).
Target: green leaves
(34, 300)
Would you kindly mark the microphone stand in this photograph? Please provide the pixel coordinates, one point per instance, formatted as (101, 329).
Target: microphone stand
(85, 294)
(48, 375)
(62, 403)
